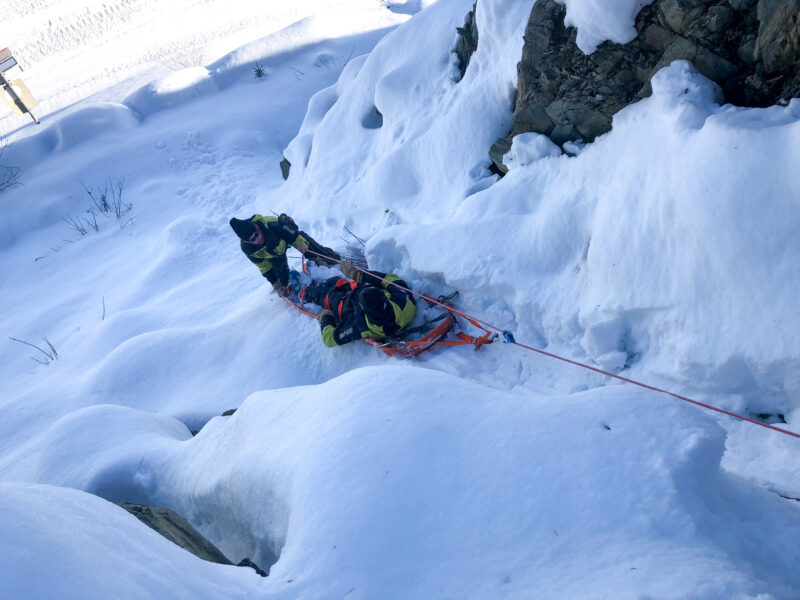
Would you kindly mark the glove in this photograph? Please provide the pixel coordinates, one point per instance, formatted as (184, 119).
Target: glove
(323, 314)
(319, 260)
(279, 289)
(288, 223)
(349, 271)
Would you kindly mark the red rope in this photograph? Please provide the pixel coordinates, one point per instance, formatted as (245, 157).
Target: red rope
(472, 320)
(662, 391)
(476, 321)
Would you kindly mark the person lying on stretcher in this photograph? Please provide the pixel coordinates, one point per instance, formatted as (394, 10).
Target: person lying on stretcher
(362, 304)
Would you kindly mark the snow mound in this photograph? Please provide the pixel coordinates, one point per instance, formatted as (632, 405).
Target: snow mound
(600, 20)
(169, 91)
(529, 147)
(76, 546)
(364, 479)
(405, 119)
(76, 126)
(94, 466)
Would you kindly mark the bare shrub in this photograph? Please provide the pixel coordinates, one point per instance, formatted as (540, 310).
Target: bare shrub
(47, 356)
(108, 199)
(191, 55)
(9, 176)
(76, 224)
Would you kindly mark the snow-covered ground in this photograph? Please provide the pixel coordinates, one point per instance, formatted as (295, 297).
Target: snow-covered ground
(105, 49)
(666, 252)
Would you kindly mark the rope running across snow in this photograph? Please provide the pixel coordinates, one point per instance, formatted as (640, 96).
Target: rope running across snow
(508, 337)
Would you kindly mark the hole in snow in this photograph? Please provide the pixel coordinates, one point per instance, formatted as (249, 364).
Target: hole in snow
(770, 418)
(373, 119)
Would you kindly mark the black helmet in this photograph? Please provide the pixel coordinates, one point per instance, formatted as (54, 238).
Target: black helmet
(375, 305)
(243, 228)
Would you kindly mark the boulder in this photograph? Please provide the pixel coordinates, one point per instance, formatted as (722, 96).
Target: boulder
(285, 167)
(680, 15)
(741, 5)
(751, 48)
(777, 45)
(467, 41)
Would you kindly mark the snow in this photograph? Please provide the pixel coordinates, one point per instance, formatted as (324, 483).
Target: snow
(601, 20)
(71, 49)
(664, 251)
(363, 478)
(70, 544)
(527, 148)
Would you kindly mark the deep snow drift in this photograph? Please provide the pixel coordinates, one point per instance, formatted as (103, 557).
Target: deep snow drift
(665, 251)
(471, 493)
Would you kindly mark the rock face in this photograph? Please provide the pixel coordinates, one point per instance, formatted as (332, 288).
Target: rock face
(467, 41)
(285, 167)
(177, 530)
(750, 48)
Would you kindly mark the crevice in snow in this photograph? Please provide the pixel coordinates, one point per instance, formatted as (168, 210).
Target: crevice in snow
(373, 119)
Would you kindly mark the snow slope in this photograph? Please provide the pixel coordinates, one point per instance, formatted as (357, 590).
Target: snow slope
(71, 49)
(401, 495)
(664, 251)
(69, 544)
(652, 260)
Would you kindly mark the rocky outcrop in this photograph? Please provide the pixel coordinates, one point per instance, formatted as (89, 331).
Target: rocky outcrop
(285, 167)
(467, 41)
(751, 48)
(177, 530)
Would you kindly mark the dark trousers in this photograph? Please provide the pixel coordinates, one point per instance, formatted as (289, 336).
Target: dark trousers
(281, 268)
(332, 293)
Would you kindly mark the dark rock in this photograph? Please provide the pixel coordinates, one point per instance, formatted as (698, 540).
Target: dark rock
(228, 412)
(778, 35)
(373, 119)
(771, 417)
(714, 66)
(532, 117)
(750, 48)
(285, 166)
(246, 562)
(747, 51)
(741, 5)
(566, 94)
(496, 152)
(720, 18)
(177, 530)
(679, 15)
(467, 41)
(655, 38)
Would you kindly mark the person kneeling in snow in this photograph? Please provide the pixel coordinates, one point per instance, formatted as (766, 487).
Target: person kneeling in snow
(361, 306)
(264, 240)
